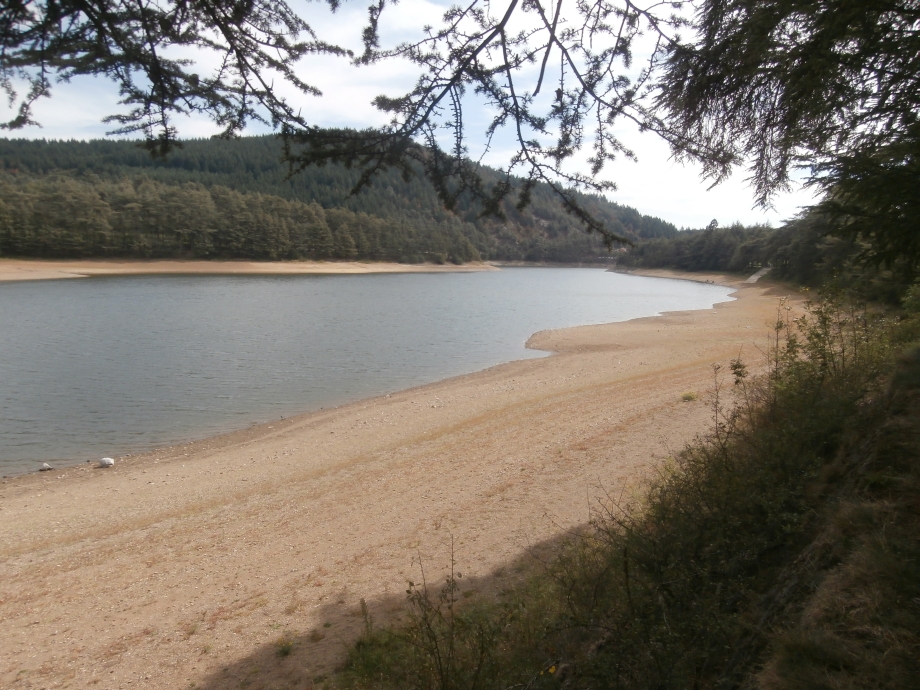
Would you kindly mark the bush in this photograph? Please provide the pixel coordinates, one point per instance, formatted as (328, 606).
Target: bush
(911, 299)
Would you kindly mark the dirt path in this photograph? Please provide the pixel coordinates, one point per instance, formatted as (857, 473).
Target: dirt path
(183, 567)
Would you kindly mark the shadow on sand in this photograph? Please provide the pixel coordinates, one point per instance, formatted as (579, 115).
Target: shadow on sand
(307, 660)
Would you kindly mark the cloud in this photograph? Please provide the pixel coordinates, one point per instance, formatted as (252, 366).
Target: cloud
(657, 186)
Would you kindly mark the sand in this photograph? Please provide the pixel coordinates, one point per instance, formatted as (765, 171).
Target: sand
(187, 565)
(27, 269)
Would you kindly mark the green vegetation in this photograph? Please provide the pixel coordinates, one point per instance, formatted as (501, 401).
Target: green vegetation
(804, 251)
(232, 199)
(778, 551)
(284, 646)
(86, 216)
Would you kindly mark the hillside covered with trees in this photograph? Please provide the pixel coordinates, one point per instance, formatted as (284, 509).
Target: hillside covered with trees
(234, 199)
(805, 251)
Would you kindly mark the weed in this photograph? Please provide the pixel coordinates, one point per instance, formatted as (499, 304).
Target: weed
(689, 396)
(368, 620)
(284, 646)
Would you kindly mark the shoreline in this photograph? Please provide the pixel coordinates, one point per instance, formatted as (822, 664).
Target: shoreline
(292, 522)
(12, 270)
(207, 435)
(708, 277)
(93, 268)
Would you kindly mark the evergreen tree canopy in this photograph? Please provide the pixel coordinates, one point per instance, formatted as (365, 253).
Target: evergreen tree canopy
(780, 83)
(830, 86)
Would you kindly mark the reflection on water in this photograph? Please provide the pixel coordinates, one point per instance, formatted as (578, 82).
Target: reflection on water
(105, 366)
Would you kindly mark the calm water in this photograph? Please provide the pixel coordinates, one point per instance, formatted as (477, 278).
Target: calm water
(106, 366)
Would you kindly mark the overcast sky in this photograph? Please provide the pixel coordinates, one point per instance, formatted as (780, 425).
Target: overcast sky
(654, 185)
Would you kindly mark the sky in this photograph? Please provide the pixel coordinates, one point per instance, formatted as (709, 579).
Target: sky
(654, 184)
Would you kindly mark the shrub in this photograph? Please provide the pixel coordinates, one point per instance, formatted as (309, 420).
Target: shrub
(284, 646)
(911, 299)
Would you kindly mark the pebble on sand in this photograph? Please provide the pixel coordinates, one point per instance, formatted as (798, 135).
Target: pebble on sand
(106, 462)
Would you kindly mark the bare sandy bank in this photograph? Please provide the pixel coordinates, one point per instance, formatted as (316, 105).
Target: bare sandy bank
(186, 565)
(21, 269)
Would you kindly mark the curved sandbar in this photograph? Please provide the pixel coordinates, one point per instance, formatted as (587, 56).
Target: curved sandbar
(28, 269)
(174, 565)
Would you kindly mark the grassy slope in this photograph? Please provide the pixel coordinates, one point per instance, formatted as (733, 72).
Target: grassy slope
(860, 626)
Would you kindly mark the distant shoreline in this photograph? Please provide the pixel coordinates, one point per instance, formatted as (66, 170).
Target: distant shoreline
(709, 277)
(14, 270)
(40, 269)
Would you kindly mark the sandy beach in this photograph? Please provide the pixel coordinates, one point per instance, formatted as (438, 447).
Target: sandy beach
(28, 269)
(183, 567)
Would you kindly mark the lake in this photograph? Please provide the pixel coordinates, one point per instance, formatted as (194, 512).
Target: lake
(112, 365)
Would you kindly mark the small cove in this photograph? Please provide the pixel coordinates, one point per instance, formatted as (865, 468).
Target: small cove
(107, 366)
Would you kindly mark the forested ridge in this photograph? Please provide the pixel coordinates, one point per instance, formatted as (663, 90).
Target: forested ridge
(234, 199)
(804, 251)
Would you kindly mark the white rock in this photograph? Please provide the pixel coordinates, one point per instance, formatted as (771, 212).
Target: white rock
(45, 467)
(106, 462)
